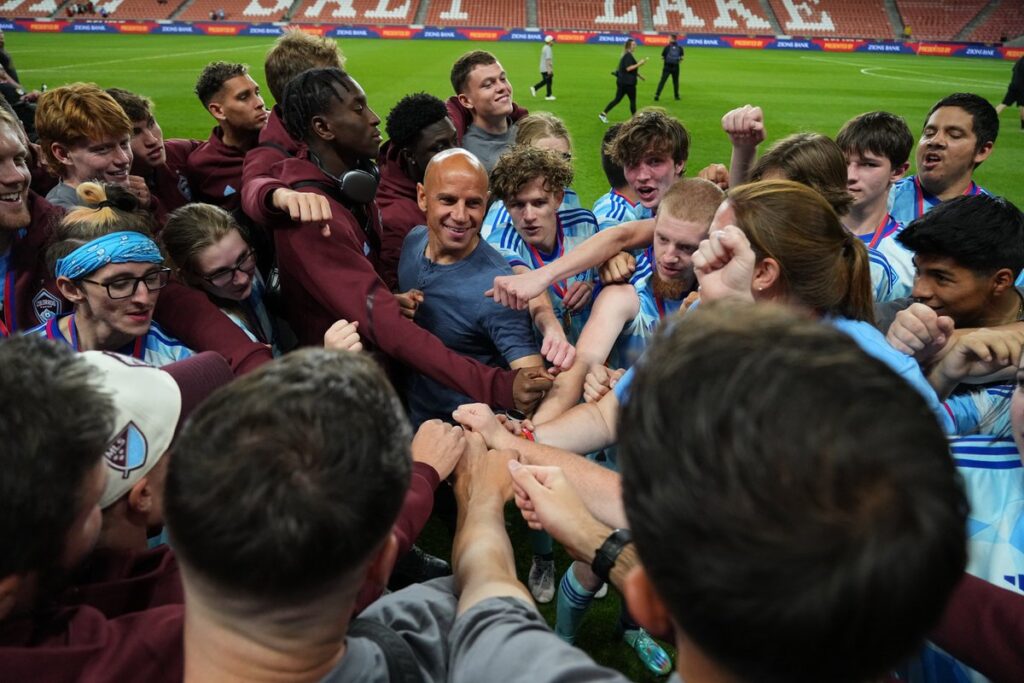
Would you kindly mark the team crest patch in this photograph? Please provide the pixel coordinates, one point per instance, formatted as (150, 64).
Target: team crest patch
(128, 451)
(46, 306)
(183, 187)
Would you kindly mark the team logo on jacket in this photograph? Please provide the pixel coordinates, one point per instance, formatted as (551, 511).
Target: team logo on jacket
(127, 451)
(46, 306)
(183, 187)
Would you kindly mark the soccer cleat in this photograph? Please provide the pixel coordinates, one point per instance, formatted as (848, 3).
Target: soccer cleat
(604, 119)
(602, 591)
(533, 91)
(650, 653)
(549, 97)
(542, 580)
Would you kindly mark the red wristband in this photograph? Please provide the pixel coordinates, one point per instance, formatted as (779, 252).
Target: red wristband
(528, 435)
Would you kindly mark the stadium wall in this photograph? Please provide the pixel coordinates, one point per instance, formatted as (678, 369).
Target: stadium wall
(513, 35)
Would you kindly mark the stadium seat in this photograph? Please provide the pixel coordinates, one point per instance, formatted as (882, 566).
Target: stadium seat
(710, 16)
(237, 10)
(138, 9)
(835, 18)
(935, 20)
(591, 16)
(370, 12)
(1007, 20)
(28, 8)
(483, 13)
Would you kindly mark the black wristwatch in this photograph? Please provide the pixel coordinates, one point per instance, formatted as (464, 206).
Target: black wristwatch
(608, 553)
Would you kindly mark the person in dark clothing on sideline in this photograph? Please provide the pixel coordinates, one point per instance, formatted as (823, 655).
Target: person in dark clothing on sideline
(671, 55)
(625, 80)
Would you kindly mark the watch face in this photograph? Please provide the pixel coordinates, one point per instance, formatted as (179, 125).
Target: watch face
(515, 415)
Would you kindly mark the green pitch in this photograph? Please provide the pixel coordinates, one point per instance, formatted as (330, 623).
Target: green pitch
(799, 91)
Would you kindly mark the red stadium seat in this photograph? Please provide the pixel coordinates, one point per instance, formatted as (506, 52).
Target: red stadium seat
(369, 12)
(29, 8)
(935, 20)
(741, 16)
(620, 15)
(237, 10)
(1007, 20)
(137, 9)
(836, 18)
(483, 13)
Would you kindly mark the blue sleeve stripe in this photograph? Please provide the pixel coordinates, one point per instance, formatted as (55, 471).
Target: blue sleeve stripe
(990, 465)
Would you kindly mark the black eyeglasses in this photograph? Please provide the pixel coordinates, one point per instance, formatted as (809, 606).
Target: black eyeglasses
(122, 288)
(245, 263)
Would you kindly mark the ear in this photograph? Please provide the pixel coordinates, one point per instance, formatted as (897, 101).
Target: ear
(983, 153)
(680, 169)
(766, 274)
(899, 171)
(321, 128)
(558, 195)
(379, 570)
(70, 291)
(140, 496)
(60, 152)
(645, 605)
(421, 197)
(465, 101)
(1001, 281)
(9, 587)
(216, 111)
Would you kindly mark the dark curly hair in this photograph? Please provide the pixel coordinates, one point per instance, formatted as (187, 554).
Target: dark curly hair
(411, 115)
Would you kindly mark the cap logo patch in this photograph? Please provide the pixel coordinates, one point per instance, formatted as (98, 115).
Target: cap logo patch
(127, 451)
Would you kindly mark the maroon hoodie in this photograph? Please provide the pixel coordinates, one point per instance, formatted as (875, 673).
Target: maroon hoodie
(31, 297)
(257, 182)
(215, 172)
(399, 212)
(168, 183)
(324, 279)
(462, 117)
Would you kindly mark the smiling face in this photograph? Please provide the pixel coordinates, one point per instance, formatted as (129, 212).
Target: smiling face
(226, 268)
(106, 160)
(14, 182)
(238, 105)
(147, 146)
(350, 125)
(117, 318)
(454, 198)
(948, 150)
(652, 175)
(534, 213)
(951, 289)
(487, 93)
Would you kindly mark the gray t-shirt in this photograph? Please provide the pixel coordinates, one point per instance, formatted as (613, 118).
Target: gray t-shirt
(64, 196)
(455, 310)
(507, 640)
(486, 146)
(422, 615)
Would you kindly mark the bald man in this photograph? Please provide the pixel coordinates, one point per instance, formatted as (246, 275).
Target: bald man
(327, 277)
(448, 262)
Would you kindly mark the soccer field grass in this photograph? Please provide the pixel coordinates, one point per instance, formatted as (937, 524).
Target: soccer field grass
(799, 91)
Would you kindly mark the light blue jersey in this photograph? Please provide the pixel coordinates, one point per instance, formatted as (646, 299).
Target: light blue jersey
(909, 200)
(985, 411)
(892, 265)
(612, 208)
(497, 217)
(574, 227)
(637, 333)
(156, 347)
(252, 318)
(883, 276)
(994, 482)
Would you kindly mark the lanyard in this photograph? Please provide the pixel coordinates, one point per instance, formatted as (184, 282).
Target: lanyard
(10, 322)
(136, 349)
(561, 286)
(887, 222)
(919, 195)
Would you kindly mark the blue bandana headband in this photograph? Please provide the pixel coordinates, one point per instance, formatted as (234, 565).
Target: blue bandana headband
(117, 247)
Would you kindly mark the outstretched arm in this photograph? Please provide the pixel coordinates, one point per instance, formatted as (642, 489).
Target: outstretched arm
(745, 128)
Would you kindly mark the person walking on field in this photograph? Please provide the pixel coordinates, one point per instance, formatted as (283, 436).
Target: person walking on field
(625, 79)
(671, 55)
(1015, 91)
(547, 69)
